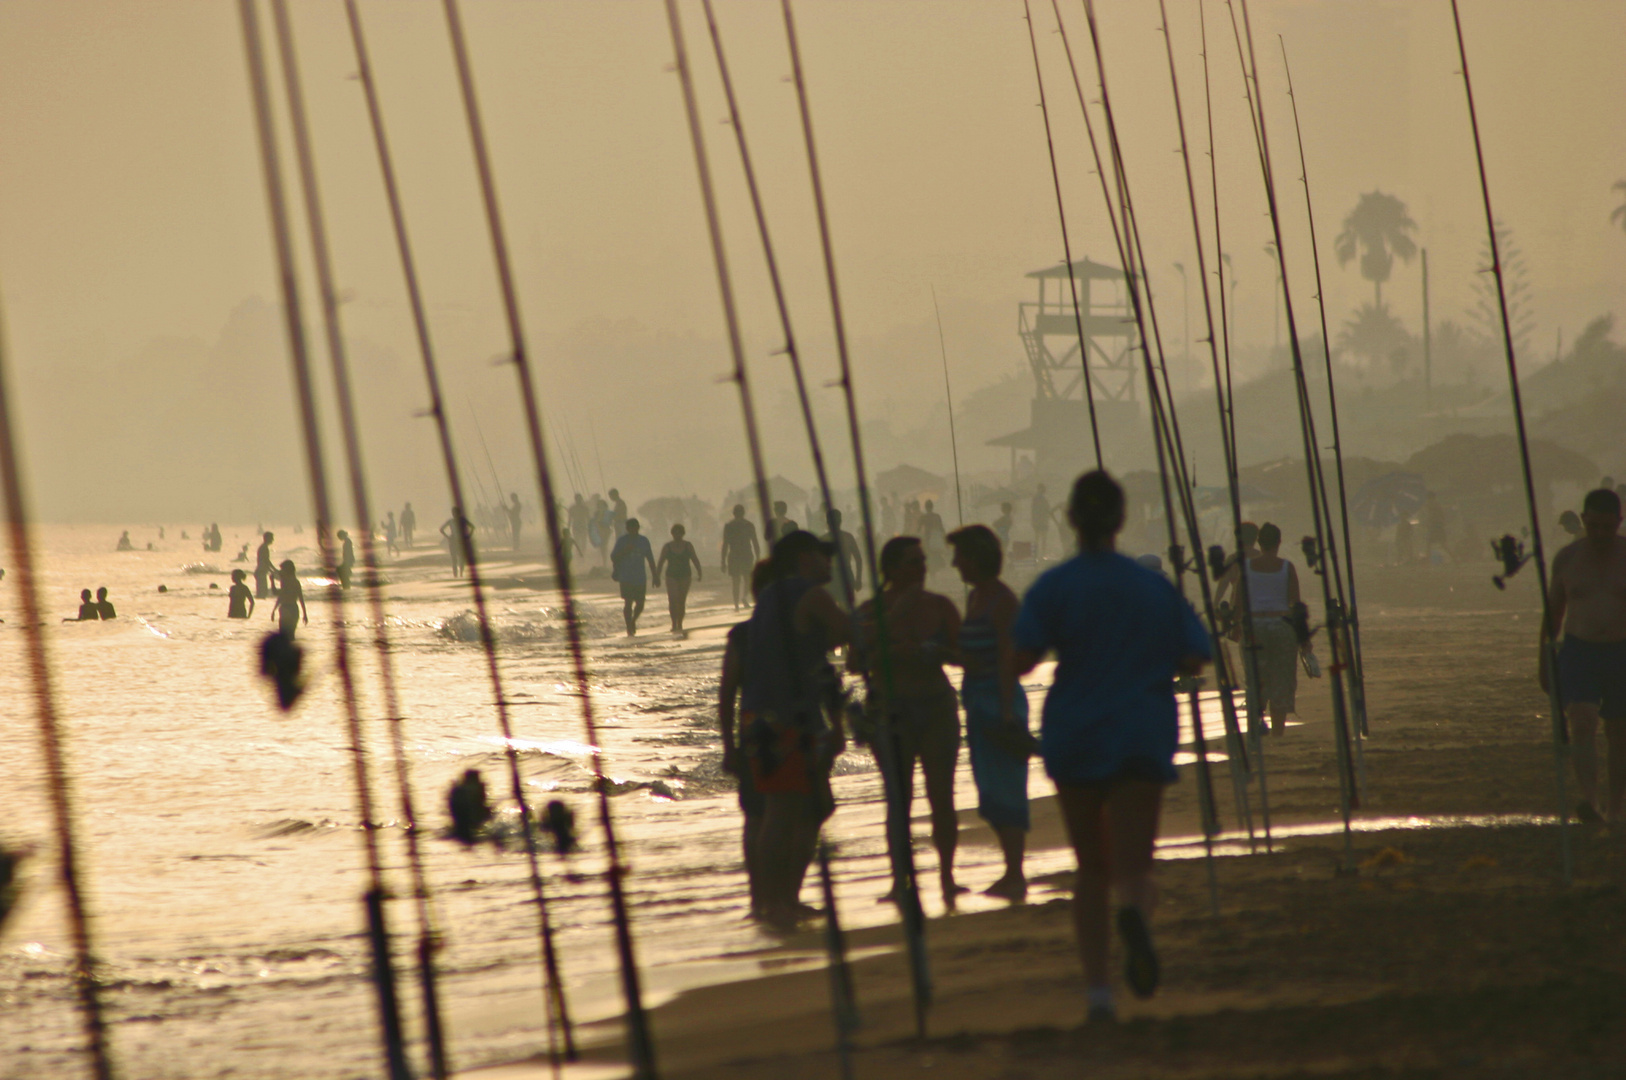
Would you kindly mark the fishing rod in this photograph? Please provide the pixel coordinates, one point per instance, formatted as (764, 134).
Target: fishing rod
(1561, 738)
(556, 1007)
(948, 395)
(899, 845)
(1351, 621)
(791, 351)
(1165, 438)
(1227, 444)
(1227, 421)
(52, 745)
(1347, 790)
(428, 939)
(640, 1043)
(1237, 758)
(1066, 243)
(373, 900)
(592, 430)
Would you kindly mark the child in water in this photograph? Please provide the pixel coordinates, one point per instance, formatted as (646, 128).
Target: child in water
(241, 597)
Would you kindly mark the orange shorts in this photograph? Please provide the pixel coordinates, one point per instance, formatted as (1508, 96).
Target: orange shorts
(787, 766)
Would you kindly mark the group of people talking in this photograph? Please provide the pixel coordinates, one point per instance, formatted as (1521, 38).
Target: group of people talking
(1120, 634)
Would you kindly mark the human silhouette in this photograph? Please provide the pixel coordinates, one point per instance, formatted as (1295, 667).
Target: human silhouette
(627, 563)
(849, 565)
(740, 553)
(782, 524)
(104, 606)
(389, 530)
(409, 525)
(124, 541)
(932, 536)
(240, 600)
(677, 559)
(618, 515)
(242, 554)
(578, 515)
(466, 802)
(347, 559)
(262, 567)
(290, 603)
(459, 533)
(1002, 526)
(87, 608)
(514, 515)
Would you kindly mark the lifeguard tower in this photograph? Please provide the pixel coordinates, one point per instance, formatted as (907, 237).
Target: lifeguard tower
(1059, 430)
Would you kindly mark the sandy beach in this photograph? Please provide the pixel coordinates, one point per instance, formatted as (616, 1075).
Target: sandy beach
(1451, 948)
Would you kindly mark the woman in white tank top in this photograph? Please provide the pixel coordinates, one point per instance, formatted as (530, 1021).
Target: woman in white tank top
(1273, 590)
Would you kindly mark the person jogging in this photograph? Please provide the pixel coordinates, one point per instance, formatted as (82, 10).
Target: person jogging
(1121, 634)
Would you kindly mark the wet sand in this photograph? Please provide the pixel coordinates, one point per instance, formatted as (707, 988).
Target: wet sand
(1449, 949)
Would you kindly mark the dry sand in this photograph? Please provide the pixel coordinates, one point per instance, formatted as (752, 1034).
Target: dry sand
(1449, 951)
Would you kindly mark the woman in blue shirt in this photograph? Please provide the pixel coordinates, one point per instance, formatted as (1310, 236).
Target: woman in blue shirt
(1121, 634)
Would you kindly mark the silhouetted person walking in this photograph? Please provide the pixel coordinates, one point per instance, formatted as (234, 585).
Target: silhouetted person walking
(740, 553)
(627, 563)
(240, 600)
(262, 567)
(677, 559)
(290, 605)
(390, 547)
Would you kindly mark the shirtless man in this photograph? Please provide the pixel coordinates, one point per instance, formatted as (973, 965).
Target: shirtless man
(1587, 601)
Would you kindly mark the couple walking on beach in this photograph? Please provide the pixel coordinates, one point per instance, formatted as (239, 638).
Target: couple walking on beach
(1120, 634)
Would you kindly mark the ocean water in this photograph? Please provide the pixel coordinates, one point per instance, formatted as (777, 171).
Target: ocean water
(222, 848)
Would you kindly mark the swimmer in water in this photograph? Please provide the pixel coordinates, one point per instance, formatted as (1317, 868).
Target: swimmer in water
(290, 603)
(124, 541)
(241, 598)
(87, 608)
(104, 606)
(262, 567)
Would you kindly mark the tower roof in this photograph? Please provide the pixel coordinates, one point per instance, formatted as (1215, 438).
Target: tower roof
(1084, 269)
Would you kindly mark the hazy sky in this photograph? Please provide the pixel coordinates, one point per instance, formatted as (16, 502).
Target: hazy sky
(131, 207)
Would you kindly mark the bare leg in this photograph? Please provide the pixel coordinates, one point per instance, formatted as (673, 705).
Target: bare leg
(939, 770)
(789, 833)
(1112, 837)
(1014, 884)
(1583, 718)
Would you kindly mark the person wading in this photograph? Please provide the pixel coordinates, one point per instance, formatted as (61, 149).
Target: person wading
(1587, 602)
(290, 603)
(1120, 633)
(923, 630)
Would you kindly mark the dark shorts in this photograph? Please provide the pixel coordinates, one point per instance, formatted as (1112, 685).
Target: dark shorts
(634, 590)
(1593, 673)
(1131, 768)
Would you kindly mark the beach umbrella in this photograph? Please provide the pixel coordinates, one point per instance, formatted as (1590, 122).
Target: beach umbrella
(908, 480)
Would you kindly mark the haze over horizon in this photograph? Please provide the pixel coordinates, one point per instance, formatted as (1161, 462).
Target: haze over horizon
(137, 283)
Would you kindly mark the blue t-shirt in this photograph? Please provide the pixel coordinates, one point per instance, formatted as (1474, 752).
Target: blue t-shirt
(1119, 632)
(630, 556)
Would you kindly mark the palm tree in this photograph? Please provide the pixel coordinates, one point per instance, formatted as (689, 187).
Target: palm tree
(1619, 212)
(1379, 228)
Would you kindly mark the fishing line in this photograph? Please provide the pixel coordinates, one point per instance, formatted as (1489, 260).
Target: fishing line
(1227, 443)
(492, 465)
(1066, 243)
(1351, 620)
(1348, 795)
(948, 395)
(428, 938)
(791, 350)
(52, 746)
(373, 901)
(899, 844)
(640, 1044)
(1561, 737)
(556, 1006)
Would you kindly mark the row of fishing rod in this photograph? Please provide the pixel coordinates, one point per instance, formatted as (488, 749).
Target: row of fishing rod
(1335, 573)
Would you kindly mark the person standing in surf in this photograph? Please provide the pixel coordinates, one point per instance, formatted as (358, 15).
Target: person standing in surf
(347, 559)
(262, 567)
(409, 525)
(240, 600)
(459, 533)
(1587, 602)
(1120, 634)
(290, 605)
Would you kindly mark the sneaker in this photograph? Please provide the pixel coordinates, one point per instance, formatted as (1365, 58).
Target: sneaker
(1141, 970)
